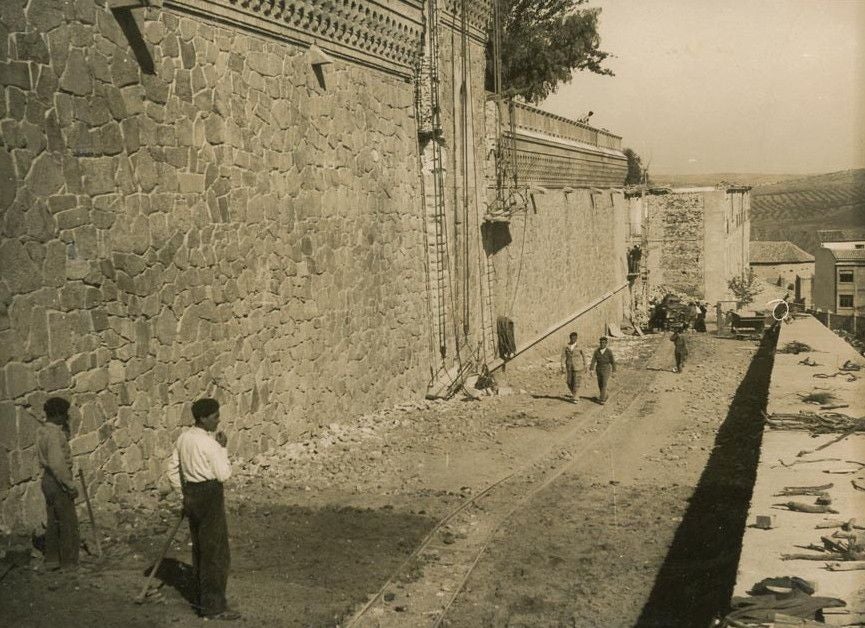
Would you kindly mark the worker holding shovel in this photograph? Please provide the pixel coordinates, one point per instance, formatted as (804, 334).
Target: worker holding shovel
(198, 467)
(58, 486)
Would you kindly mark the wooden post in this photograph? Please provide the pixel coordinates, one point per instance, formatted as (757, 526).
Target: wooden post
(90, 512)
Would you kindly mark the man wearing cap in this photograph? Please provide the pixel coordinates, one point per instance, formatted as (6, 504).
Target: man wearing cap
(198, 467)
(604, 364)
(58, 486)
(573, 364)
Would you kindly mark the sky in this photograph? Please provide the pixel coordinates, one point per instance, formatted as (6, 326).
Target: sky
(729, 86)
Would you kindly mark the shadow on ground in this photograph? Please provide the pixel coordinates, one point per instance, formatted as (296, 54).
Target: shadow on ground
(178, 575)
(698, 575)
(316, 565)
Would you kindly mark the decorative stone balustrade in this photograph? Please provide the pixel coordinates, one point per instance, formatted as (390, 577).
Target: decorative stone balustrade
(529, 118)
(382, 33)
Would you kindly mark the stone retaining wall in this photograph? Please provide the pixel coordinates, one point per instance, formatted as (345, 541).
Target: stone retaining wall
(565, 251)
(195, 213)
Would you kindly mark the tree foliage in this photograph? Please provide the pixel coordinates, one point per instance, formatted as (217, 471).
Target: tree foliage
(635, 167)
(542, 42)
(744, 288)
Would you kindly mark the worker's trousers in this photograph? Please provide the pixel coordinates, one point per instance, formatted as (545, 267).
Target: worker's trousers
(604, 371)
(204, 505)
(574, 381)
(680, 359)
(61, 532)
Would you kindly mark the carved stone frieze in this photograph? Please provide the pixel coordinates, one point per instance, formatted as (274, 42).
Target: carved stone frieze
(478, 15)
(381, 33)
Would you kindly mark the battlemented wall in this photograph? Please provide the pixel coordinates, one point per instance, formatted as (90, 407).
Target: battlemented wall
(198, 212)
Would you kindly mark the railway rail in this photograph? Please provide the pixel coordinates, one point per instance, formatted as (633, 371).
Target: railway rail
(451, 561)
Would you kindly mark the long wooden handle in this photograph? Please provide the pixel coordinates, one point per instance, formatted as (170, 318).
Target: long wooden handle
(90, 512)
(162, 554)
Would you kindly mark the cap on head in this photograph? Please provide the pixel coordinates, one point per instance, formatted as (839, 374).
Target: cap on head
(56, 407)
(204, 408)
(573, 335)
(602, 339)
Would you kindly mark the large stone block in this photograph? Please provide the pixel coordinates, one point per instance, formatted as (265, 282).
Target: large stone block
(19, 271)
(98, 175)
(15, 73)
(28, 424)
(60, 336)
(190, 183)
(46, 175)
(8, 426)
(84, 444)
(55, 376)
(214, 129)
(76, 77)
(93, 380)
(124, 70)
(8, 179)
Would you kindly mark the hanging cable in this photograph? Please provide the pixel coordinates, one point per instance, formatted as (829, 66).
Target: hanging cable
(464, 96)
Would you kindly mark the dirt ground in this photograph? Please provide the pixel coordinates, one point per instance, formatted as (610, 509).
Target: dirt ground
(617, 515)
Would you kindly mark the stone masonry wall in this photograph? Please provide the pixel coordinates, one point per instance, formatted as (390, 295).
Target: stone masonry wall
(561, 257)
(221, 224)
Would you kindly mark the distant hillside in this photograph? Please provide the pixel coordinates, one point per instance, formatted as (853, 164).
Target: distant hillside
(795, 209)
(702, 180)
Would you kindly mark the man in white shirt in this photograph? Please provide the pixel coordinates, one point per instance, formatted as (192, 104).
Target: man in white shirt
(198, 467)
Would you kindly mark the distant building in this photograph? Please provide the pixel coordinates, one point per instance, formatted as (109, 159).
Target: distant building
(839, 280)
(780, 262)
(842, 239)
(693, 240)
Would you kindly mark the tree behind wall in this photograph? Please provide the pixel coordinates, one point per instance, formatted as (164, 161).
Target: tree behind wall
(542, 42)
(744, 287)
(635, 168)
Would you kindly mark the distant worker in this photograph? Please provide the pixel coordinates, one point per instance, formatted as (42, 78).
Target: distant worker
(604, 364)
(700, 323)
(198, 467)
(680, 349)
(58, 486)
(573, 365)
(585, 118)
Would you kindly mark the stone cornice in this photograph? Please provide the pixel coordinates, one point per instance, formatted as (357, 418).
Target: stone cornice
(478, 15)
(385, 34)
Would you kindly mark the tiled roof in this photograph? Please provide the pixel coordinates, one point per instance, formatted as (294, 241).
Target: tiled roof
(841, 235)
(784, 252)
(849, 255)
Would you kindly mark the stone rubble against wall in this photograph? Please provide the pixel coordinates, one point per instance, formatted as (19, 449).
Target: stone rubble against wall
(675, 235)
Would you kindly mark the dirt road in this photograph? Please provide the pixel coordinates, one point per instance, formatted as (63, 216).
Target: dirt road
(594, 514)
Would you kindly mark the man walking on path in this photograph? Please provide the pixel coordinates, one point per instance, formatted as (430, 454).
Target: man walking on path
(680, 349)
(198, 467)
(573, 365)
(604, 364)
(58, 486)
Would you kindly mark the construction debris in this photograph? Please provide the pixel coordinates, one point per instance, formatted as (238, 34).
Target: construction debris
(795, 347)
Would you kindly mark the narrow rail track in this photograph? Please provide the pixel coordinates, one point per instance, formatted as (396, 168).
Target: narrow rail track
(454, 559)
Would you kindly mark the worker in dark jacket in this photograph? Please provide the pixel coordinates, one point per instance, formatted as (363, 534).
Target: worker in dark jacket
(680, 349)
(604, 364)
(58, 486)
(199, 465)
